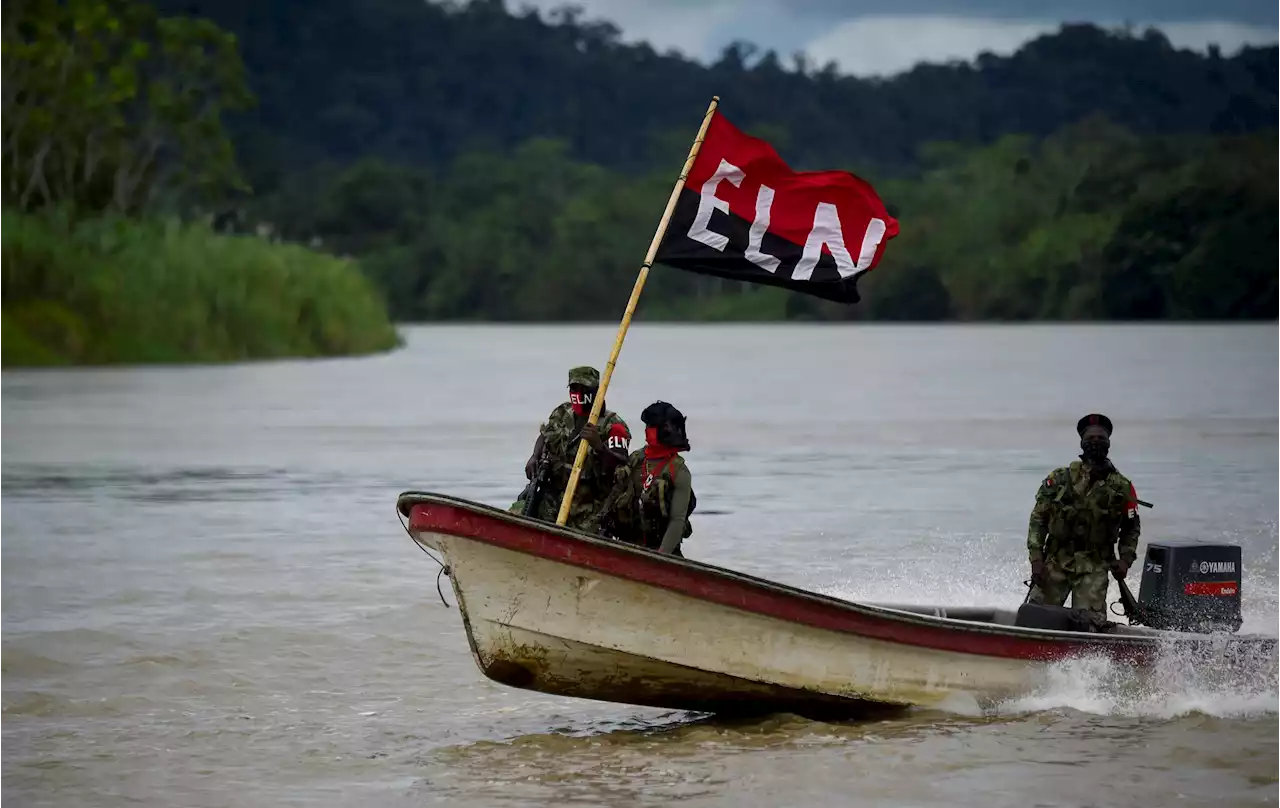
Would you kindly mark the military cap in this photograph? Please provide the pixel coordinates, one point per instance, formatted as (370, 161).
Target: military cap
(1093, 419)
(584, 375)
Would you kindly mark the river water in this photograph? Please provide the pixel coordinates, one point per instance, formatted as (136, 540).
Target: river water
(208, 600)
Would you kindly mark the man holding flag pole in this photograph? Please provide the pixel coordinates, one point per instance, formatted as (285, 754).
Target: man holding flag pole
(739, 212)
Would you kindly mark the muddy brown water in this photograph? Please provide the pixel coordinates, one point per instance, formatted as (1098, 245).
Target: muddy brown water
(208, 601)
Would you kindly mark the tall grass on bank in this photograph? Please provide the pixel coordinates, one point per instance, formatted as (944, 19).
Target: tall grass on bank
(115, 290)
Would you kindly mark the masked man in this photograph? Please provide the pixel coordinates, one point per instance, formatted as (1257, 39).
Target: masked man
(557, 447)
(1081, 512)
(653, 497)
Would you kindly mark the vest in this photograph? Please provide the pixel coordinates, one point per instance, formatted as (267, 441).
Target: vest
(1086, 520)
(643, 505)
(560, 438)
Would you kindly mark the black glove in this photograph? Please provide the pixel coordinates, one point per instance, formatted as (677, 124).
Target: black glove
(1037, 572)
(1121, 567)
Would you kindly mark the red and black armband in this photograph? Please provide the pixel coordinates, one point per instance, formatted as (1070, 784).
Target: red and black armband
(618, 438)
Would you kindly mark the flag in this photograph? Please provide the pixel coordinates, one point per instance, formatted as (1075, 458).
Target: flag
(744, 214)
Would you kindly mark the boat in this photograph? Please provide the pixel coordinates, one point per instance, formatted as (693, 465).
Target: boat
(557, 611)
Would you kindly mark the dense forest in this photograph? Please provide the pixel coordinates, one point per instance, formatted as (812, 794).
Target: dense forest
(112, 130)
(478, 163)
(422, 83)
(485, 164)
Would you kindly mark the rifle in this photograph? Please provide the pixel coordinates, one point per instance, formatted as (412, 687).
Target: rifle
(1132, 609)
(537, 487)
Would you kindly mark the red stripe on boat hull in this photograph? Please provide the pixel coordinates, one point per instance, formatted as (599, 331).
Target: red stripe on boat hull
(643, 567)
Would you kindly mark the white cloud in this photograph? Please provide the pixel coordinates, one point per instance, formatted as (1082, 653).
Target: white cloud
(1229, 36)
(883, 45)
(861, 45)
(666, 25)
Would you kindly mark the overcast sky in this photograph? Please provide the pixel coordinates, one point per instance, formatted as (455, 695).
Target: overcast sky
(870, 38)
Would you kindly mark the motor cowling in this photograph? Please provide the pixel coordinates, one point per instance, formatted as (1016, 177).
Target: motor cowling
(1191, 586)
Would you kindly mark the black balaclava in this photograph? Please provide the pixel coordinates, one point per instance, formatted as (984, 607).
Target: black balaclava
(1095, 448)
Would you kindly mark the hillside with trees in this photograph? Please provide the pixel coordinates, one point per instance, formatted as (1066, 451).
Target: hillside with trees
(493, 165)
(482, 164)
(421, 83)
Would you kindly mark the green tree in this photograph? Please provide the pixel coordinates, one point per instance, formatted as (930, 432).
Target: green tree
(108, 106)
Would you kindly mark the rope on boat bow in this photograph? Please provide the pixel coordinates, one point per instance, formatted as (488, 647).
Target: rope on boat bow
(444, 568)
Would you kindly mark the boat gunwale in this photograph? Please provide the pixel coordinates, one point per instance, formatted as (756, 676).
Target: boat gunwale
(1041, 644)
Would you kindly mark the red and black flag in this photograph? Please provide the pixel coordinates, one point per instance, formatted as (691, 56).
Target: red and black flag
(744, 214)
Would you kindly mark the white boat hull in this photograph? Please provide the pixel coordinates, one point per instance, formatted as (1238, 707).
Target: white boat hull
(560, 612)
(563, 629)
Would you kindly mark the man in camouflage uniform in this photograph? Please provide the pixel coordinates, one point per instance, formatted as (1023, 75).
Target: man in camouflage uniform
(1081, 511)
(558, 437)
(652, 496)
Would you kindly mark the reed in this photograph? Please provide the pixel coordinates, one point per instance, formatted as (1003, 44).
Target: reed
(117, 290)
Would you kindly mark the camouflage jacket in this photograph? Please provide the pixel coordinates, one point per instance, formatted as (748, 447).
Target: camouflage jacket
(560, 439)
(651, 502)
(1076, 520)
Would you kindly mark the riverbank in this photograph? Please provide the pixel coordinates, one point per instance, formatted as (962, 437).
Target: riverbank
(111, 290)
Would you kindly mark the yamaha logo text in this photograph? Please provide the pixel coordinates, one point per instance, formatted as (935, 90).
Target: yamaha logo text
(1217, 566)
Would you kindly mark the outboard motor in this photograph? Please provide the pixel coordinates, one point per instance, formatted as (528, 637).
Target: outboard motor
(1191, 586)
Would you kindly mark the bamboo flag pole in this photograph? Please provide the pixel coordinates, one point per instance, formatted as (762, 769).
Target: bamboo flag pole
(598, 404)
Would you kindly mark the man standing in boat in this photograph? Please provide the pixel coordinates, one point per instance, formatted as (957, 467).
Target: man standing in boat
(653, 496)
(557, 446)
(1081, 512)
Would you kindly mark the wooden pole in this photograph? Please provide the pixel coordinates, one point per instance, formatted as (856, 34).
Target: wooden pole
(567, 501)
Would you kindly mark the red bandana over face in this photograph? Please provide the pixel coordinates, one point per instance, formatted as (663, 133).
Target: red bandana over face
(655, 450)
(581, 402)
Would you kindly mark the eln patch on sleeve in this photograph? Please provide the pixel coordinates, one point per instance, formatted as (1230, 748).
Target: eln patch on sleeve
(618, 437)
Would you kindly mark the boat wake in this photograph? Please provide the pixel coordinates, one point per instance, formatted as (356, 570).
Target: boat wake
(1212, 679)
(1182, 683)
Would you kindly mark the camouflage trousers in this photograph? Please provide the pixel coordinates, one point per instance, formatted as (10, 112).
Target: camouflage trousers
(584, 515)
(1088, 589)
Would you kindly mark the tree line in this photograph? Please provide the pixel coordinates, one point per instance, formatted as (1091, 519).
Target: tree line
(112, 135)
(485, 164)
(1091, 223)
(421, 83)
(474, 163)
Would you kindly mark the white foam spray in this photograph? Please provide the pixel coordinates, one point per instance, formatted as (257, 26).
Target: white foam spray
(1207, 678)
